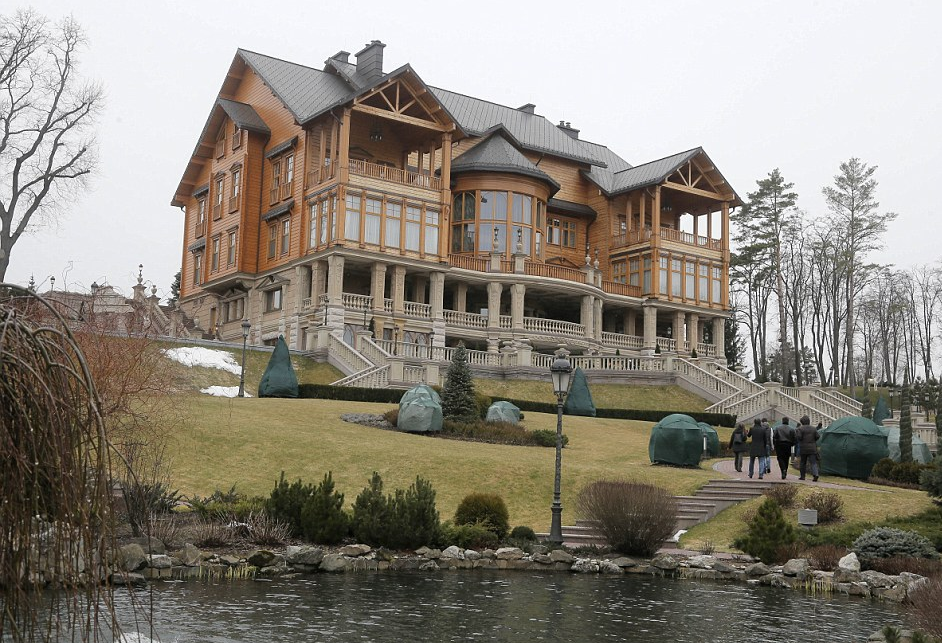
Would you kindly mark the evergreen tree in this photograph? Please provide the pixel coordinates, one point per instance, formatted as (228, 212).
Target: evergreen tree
(938, 416)
(768, 533)
(175, 289)
(905, 425)
(735, 344)
(458, 391)
(866, 410)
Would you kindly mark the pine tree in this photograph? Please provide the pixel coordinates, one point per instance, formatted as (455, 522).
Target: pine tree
(458, 391)
(768, 532)
(938, 416)
(905, 426)
(735, 344)
(866, 410)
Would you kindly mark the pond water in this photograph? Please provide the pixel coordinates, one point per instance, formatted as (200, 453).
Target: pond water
(494, 606)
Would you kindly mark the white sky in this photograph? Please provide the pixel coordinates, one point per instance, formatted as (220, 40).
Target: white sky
(799, 85)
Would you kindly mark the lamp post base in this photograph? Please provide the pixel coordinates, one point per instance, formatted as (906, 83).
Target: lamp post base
(556, 526)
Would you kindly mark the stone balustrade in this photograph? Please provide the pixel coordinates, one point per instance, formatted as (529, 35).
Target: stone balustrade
(553, 327)
(617, 340)
(354, 301)
(465, 320)
(415, 309)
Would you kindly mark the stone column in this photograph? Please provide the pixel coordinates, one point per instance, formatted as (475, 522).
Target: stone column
(693, 330)
(335, 314)
(678, 330)
(597, 310)
(437, 304)
(719, 337)
(631, 322)
(378, 287)
(461, 298)
(493, 304)
(517, 292)
(587, 314)
(419, 282)
(398, 289)
(318, 281)
(650, 327)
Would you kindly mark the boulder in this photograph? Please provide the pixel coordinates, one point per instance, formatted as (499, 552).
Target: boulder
(757, 569)
(305, 555)
(701, 562)
(159, 561)
(876, 580)
(334, 563)
(355, 550)
(849, 563)
(132, 557)
(561, 556)
(189, 555)
(797, 567)
(665, 561)
(509, 553)
(426, 552)
(624, 562)
(149, 545)
(846, 576)
(128, 579)
(539, 549)
(229, 559)
(470, 554)
(453, 552)
(543, 559)
(608, 567)
(585, 566)
(897, 593)
(723, 567)
(262, 558)
(429, 566)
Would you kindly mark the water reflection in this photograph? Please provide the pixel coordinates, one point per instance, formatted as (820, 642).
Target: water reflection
(513, 607)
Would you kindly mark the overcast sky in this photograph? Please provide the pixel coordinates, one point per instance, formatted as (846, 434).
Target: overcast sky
(798, 85)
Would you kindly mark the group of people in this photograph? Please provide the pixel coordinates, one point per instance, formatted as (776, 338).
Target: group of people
(784, 439)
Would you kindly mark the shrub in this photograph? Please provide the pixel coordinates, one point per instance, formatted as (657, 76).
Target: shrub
(828, 504)
(458, 400)
(369, 523)
(482, 403)
(928, 567)
(487, 509)
(497, 433)
(286, 501)
(267, 531)
(230, 505)
(413, 518)
(144, 499)
(166, 529)
(472, 536)
(635, 518)
(392, 416)
(522, 532)
(931, 479)
(907, 473)
(768, 533)
(825, 557)
(887, 542)
(784, 494)
(209, 533)
(925, 601)
(322, 516)
(547, 438)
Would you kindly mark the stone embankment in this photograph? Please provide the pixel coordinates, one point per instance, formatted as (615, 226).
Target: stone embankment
(137, 565)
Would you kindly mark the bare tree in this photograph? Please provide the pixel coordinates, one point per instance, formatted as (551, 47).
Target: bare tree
(47, 113)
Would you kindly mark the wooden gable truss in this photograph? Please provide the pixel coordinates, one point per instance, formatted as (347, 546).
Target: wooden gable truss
(405, 102)
(694, 177)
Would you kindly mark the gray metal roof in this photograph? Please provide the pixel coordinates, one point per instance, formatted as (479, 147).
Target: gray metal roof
(278, 210)
(570, 207)
(199, 244)
(244, 116)
(497, 154)
(282, 147)
(649, 173)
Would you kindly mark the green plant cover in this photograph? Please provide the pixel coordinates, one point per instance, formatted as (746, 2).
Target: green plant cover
(921, 452)
(850, 447)
(420, 410)
(279, 379)
(579, 400)
(712, 439)
(676, 440)
(503, 412)
(881, 411)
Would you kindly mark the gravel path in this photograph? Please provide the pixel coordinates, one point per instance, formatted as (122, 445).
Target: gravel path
(728, 468)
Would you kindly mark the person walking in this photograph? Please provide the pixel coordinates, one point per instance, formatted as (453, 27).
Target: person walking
(768, 446)
(758, 448)
(783, 437)
(737, 443)
(807, 437)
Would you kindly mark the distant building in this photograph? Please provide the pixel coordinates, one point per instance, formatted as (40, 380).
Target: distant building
(350, 197)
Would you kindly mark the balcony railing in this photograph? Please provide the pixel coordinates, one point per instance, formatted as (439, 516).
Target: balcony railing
(200, 229)
(468, 262)
(217, 210)
(505, 321)
(356, 302)
(631, 237)
(553, 271)
(233, 203)
(465, 320)
(286, 189)
(618, 288)
(236, 139)
(666, 343)
(669, 234)
(220, 148)
(273, 195)
(553, 327)
(617, 340)
(394, 175)
(415, 309)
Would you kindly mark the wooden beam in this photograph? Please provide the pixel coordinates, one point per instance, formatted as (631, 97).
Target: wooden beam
(375, 111)
(684, 188)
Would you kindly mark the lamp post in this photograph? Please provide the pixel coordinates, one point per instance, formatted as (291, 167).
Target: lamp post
(246, 326)
(561, 370)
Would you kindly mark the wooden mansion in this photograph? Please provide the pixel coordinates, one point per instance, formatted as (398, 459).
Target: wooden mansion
(349, 201)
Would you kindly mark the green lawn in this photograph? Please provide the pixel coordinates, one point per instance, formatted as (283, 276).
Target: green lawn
(605, 396)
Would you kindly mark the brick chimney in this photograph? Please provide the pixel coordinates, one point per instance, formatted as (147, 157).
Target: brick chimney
(568, 129)
(342, 56)
(370, 61)
(529, 108)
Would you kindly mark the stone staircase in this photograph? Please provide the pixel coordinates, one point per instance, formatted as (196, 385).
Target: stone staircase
(709, 500)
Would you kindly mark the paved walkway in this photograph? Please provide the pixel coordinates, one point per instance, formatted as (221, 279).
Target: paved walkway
(728, 468)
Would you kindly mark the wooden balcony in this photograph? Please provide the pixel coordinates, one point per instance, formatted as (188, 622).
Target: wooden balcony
(468, 262)
(200, 229)
(286, 189)
(617, 288)
(274, 195)
(553, 271)
(394, 175)
(233, 203)
(635, 237)
(237, 139)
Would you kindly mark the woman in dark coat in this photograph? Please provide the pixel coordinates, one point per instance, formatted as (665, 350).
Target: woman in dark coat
(738, 445)
(758, 448)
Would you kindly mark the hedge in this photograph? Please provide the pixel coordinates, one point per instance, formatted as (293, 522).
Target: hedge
(392, 396)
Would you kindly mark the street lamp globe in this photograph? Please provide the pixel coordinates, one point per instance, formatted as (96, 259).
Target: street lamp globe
(246, 327)
(561, 370)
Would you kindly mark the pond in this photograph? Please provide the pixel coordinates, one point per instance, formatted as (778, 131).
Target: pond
(500, 606)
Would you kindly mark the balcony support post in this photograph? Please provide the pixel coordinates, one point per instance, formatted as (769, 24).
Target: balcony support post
(378, 286)
(517, 293)
(494, 291)
(461, 297)
(334, 312)
(693, 330)
(719, 337)
(597, 319)
(437, 304)
(399, 290)
(650, 327)
(678, 333)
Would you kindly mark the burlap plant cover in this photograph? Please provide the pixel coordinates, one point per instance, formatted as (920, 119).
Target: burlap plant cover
(279, 379)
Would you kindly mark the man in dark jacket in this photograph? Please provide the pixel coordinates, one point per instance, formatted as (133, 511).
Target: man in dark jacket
(758, 448)
(738, 444)
(783, 437)
(807, 437)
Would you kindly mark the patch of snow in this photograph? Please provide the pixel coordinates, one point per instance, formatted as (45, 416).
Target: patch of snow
(208, 357)
(223, 391)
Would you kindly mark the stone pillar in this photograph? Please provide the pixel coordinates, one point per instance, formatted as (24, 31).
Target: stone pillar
(597, 309)
(517, 292)
(678, 330)
(650, 327)
(419, 282)
(587, 314)
(398, 289)
(437, 304)
(493, 304)
(631, 322)
(719, 337)
(693, 330)
(378, 286)
(461, 298)
(335, 313)
(318, 281)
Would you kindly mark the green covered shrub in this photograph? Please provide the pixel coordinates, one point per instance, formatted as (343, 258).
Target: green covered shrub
(323, 519)
(486, 509)
(770, 536)
(829, 505)
(635, 518)
(473, 536)
(522, 532)
(887, 542)
(286, 501)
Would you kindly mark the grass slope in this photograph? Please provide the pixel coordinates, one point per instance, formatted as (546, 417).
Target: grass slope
(605, 396)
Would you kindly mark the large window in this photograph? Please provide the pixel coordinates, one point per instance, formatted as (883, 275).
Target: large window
(285, 235)
(569, 234)
(351, 222)
(197, 268)
(663, 267)
(647, 275)
(393, 223)
(634, 272)
(413, 227)
(619, 271)
(704, 294)
(373, 220)
(676, 283)
(236, 189)
(689, 279)
(231, 248)
(214, 257)
(218, 196)
(497, 222)
(717, 291)
(431, 232)
(272, 240)
(201, 217)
